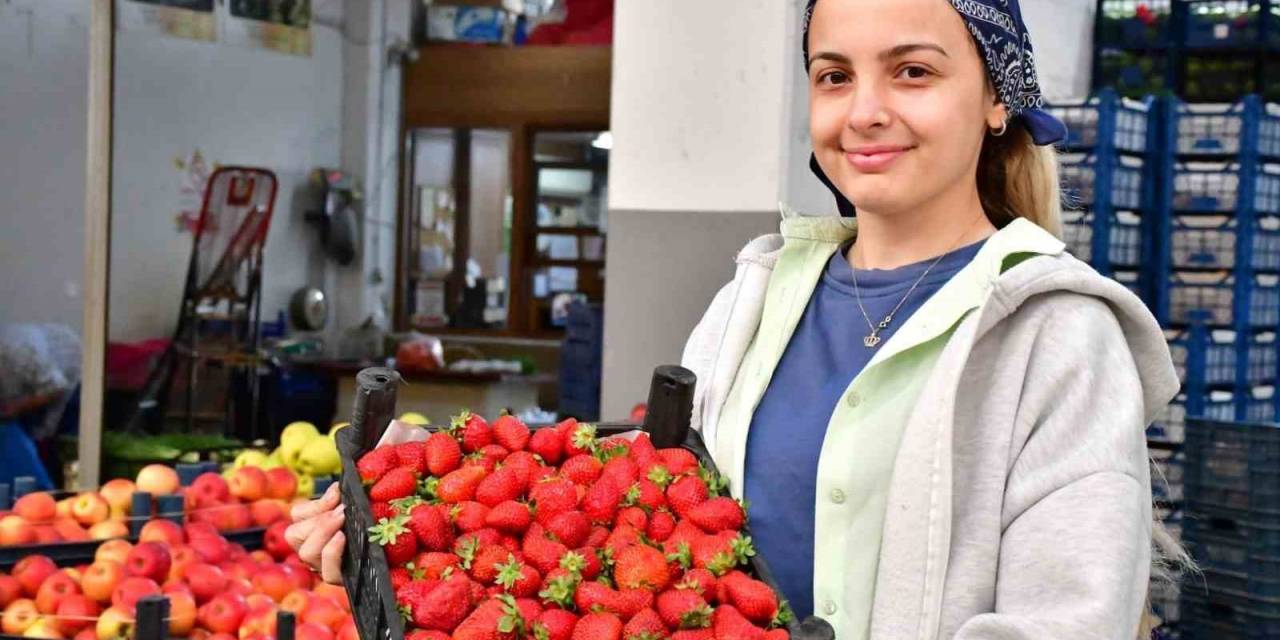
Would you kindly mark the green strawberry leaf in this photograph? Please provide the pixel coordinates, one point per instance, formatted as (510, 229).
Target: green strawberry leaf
(784, 616)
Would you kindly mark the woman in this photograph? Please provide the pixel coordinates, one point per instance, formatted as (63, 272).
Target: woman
(936, 414)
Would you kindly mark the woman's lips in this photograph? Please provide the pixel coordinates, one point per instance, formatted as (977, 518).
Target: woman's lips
(874, 159)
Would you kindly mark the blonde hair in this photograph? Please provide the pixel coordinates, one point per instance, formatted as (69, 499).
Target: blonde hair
(1019, 179)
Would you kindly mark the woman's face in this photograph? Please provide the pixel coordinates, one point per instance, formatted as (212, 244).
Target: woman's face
(899, 101)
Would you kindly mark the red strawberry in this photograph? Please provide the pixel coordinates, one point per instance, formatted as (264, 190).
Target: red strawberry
(718, 514)
(400, 482)
(413, 455)
(660, 526)
(558, 623)
(643, 452)
(502, 485)
(719, 553)
(683, 609)
(678, 461)
(633, 516)
(582, 469)
(728, 622)
(383, 511)
(530, 609)
(645, 624)
(620, 538)
(777, 634)
(570, 527)
(647, 494)
(518, 578)
(434, 531)
(524, 464)
(702, 581)
(597, 538)
(579, 439)
(553, 496)
(509, 432)
(686, 493)
(622, 470)
(594, 596)
(493, 454)
(460, 485)
(431, 565)
(444, 454)
(633, 601)
(591, 567)
(598, 626)
(547, 444)
(423, 634)
(541, 552)
(559, 588)
(397, 541)
(495, 619)
(694, 634)
(722, 584)
(510, 517)
(601, 501)
(470, 516)
(753, 598)
(375, 464)
(472, 431)
(641, 567)
(485, 566)
(400, 577)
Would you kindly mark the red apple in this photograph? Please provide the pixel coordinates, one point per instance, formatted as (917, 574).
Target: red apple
(223, 614)
(89, 509)
(101, 579)
(43, 628)
(274, 542)
(312, 631)
(205, 580)
(10, 590)
(149, 560)
(299, 575)
(183, 556)
(348, 630)
(46, 534)
(260, 618)
(325, 613)
(37, 508)
(158, 480)
(221, 636)
(62, 508)
(73, 613)
(88, 633)
(53, 590)
(211, 549)
(119, 494)
(165, 531)
(233, 517)
(209, 489)
(267, 511)
(115, 624)
(335, 593)
(31, 572)
(15, 530)
(281, 483)
(108, 529)
(131, 590)
(248, 484)
(274, 582)
(296, 602)
(117, 550)
(70, 530)
(182, 613)
(18, 617)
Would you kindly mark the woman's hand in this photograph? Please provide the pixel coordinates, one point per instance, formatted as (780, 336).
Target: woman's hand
(316, 534)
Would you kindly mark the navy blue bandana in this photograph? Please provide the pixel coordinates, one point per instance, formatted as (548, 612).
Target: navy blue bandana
(1001, 35)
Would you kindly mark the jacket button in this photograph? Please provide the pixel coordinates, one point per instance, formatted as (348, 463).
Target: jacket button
(837, 496)
(853, 400)
(829, 608)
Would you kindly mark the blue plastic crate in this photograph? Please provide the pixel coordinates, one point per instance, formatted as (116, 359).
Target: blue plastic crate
(1210, 298)
(1080, 173)
(1213, 242)
(1166, 478)
(1220, 354)
(1170, 426)
(1218, 129)
(1231, 23)
(1245, 584)
(1132, 280)
(1262, 359)
(1261, 407)
(1105, 121)
(1215, 187)
(1125, 247)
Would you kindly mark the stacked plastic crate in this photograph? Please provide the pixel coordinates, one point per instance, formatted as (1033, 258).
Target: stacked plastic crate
(581, 356)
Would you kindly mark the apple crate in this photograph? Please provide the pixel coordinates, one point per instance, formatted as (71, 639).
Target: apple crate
(366, 573)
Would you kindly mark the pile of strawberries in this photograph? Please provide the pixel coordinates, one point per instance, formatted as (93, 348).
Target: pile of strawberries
(494, 531)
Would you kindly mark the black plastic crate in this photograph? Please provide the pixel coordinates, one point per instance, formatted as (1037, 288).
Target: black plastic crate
(1134, 23)
(1233, 528)
(1218, 616)
(1133, 74)
(366, 574)
(1232, 23)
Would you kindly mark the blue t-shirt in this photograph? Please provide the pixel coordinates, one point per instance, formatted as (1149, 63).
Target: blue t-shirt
(824, 355)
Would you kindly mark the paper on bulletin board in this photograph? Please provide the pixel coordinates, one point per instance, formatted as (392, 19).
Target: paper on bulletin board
(277, 25)
(192, 19)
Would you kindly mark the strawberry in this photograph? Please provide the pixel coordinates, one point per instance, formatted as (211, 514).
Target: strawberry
(579, 439)
(582, 469)
(413, 455)
(412, 595)
(433, 530)
(718, 514)
(597, 537)
(683, 609)
(570, 527)
(423, 634)
(375, 464)
(719, 553)
(557, 623)
(559, 588)
(470, 516)
(510, 517)
(547, 444)
(633, 516)
(509, 432)
(641, 567)
(646, 625)
(754, 599)
(686, 493)
(590, 567)
(485, 566)
(400, 482)
(460, 485)
(383, 511)
(431, 565)
(444, 454)
(502, 485)
(660, 526)
(728, 622)
(525, 465)
(518, 578)
(622, 470)
(647, 495)
(493, 454)
(694, 634)
(595, 596)
(397, 541)
(530, 609)
(598, 626)
(495, 619)
(777, 634)
(633, 601)
(722, 584)
(643, 452)
(472, 431)
(553, 496)
(678, 461)
(620, 538)
(400, 577)
(601, 501)
(702, 581)
(542, 552)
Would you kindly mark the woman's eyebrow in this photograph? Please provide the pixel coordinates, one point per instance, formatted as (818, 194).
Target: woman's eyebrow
(888, 54)
(831, 56)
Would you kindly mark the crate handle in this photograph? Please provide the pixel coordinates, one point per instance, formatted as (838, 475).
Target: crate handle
(375, 405)
(670, 407)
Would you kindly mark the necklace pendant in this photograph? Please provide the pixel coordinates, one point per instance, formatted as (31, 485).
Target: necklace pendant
(871, 341)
